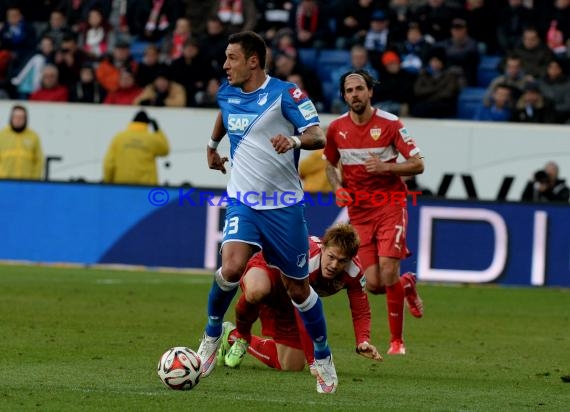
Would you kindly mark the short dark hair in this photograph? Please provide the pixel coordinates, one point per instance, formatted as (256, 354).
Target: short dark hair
(251, 43)
(361, 72)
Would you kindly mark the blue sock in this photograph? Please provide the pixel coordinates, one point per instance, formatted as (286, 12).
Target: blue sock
(311, 312)
(218, 303)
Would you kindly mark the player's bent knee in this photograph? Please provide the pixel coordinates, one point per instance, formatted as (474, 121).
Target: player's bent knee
(290, 359)
(256, 285)
(375, 289)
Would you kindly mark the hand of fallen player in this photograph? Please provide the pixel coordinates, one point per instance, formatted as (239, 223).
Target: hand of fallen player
(368, 351)
(215, 161)
(343, 197)
(282, 143)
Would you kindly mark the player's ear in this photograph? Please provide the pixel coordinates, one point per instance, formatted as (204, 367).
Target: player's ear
(253, 62)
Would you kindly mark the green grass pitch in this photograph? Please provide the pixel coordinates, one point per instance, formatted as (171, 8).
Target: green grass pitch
(90, 340)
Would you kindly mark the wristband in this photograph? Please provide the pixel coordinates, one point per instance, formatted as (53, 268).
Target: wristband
(296, 142)
(213, 144)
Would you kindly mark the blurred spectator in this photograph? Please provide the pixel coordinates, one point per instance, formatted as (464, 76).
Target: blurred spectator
(353, 19)
(511, 21)
(109, 70)
(309, 22)
(119, 22)
(401, 15)
(150, 66)
(77, 11)
(174, 42)
(131, 157)
(312, 171)
(481, 18)
(18, 37)
(28, 79)
(162, 92)
(95, 36)
(414, 51)
(213, 44)
(151, 20)
(191, 70)
(546, 188)
(198, 11)
(284, 42)
(533, 107)
(555, 85)
(534, 54)
(358, 61)
(274, 15)
(395, 92)
(500, 105)
(436, 89)
(237, 15)
(87, 89)
(69, 60)
(21, 155)
(462, 52)
(287, 65)
(435, 19)
(57, 27)
(378, 37)
(209, 96)
(513, 76)
(557, 27)
(559, 187)
(50, 89)
(127, 90)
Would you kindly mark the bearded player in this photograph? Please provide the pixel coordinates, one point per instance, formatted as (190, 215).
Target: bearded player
(363, 145)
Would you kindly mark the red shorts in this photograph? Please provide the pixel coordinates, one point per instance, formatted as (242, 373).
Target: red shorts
(385, 236)
(276, 314)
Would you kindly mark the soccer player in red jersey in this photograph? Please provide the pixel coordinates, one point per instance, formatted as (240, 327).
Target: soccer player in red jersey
(361, 150)
(333, 266)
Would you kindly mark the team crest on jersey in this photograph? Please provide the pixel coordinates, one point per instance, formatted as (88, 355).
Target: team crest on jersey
(375, 133)
(262, 99)
(301, 260)
(238, 123)
(297, 94)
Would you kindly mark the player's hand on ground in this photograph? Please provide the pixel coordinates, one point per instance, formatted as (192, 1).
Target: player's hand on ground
(215, 161)
(368, 351)
(282, 143)
(376, 166)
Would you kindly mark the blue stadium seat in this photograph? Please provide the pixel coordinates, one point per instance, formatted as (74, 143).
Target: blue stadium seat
(329, 61)
(488, 70)
(469, 101)
(308, 58)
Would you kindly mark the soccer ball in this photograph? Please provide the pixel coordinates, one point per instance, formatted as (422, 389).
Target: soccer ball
(180, 368)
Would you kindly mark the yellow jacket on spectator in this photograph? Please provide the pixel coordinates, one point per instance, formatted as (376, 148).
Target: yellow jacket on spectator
(312, 171)
(131, 158)
(21, 155)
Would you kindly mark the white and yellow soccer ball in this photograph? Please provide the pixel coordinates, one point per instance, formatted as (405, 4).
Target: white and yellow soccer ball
(180, 368)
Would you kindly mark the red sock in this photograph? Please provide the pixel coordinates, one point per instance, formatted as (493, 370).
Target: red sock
(265, 350)
(395, 301)
(246, 315)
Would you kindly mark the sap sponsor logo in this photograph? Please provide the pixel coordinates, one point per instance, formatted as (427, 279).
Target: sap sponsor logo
(238, 123)
(233, 100)
(308, 110)
(297, 94)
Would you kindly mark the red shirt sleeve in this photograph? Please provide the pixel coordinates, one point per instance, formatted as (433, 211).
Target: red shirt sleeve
(331, 150)
(405, 144)
(360, 308)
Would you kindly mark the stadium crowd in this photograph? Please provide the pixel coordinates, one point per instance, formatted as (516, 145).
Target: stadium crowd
(425, 54)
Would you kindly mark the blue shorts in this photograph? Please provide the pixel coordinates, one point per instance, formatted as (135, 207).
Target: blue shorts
(281, 233)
